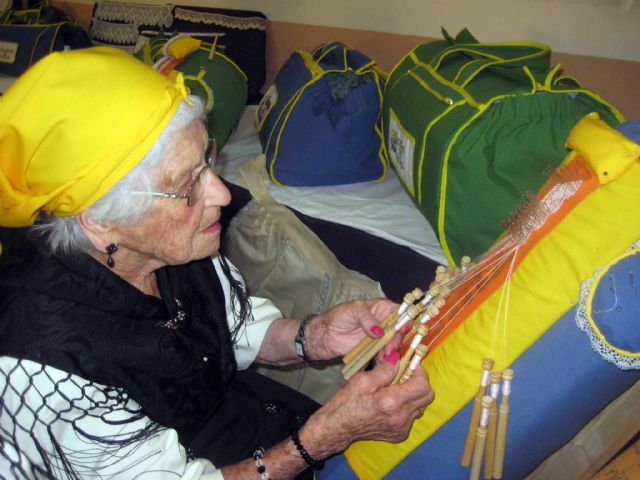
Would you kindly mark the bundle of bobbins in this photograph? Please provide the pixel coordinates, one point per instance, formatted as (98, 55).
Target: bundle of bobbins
(418, 307)
(487, 432)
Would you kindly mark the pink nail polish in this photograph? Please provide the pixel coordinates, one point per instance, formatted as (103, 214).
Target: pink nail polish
(393, 357)
(377, 331)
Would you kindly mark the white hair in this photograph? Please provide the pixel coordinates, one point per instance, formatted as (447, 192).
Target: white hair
(119, 204)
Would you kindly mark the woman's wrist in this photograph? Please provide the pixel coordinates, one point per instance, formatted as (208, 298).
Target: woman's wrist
(313, 339)
(302, 338)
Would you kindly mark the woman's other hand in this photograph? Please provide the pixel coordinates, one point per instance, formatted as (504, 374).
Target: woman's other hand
(368, 407)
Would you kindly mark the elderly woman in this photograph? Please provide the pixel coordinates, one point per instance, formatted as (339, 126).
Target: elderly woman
(124, 335)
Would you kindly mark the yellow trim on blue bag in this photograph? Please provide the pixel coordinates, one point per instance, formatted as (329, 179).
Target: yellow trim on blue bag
(57, 26)
(311, 64)
(288, 108)
(596, 282)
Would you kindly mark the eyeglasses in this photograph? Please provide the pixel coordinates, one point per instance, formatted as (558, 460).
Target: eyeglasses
(196, 188)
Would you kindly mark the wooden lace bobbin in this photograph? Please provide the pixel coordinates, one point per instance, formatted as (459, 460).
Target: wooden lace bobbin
(489, 450)
(441, 278)
(423, 318)
(350, 369)
(407, 301)
(433, 292)
(503, 422)
(487, 365)
(421, 332)
(481, 437)
(418, 355)
(465, 263)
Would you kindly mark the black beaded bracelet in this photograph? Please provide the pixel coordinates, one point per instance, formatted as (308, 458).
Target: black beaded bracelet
(258, 455)
(312, 462)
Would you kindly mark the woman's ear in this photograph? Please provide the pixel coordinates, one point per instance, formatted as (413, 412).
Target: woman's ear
(99, 234)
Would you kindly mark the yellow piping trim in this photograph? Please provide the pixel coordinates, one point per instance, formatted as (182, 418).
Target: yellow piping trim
(506, 61)
(429, 89)
(412, 56)
(592, 322)
(198, 79)
(464, 67)
(548, 82)
(424, 145)
(443, 187)
(569, 77)
(472, 101)
(286, 108)
(42, 32)
(448, 51)
(222, 55)
(313, 66)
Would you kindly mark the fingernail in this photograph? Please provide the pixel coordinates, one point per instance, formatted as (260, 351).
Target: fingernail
(393, 357)
(377, 331)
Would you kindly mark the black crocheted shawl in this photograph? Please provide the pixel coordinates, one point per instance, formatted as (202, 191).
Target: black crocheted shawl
(73, 313)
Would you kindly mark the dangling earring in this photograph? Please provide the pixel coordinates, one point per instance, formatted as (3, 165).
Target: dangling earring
(111, 249)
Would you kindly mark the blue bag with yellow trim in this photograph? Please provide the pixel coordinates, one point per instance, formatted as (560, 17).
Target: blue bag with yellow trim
(319, 121)
(23, 45)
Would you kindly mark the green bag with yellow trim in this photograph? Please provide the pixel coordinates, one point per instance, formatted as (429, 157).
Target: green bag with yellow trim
(470, 127)
(208, 73)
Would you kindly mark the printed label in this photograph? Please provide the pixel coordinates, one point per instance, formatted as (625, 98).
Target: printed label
(266, 104)
(401, 145)
(8, 52)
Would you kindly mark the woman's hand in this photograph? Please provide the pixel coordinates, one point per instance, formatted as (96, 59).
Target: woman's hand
(336, 331)
(367, 407)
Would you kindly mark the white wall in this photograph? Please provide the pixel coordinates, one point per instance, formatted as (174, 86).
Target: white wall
(601, 28)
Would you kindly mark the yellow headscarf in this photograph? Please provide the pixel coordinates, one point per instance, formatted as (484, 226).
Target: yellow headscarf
(74, 125)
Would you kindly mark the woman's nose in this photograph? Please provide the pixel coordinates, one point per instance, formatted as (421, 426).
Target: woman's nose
(216, 193)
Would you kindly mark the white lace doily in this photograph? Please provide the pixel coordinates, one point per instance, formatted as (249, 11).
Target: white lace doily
(624, 362)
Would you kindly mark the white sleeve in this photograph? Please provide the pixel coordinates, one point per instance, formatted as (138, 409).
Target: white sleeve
(54, 420)
(264, 312)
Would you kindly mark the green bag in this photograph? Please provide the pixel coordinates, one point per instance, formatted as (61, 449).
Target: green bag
(210, 75)
(470, 127)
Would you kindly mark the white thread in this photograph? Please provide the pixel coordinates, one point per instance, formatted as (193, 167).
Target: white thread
(486, 375)
(495, 390)
(484, 418)
(506, 388)
(415, 361)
